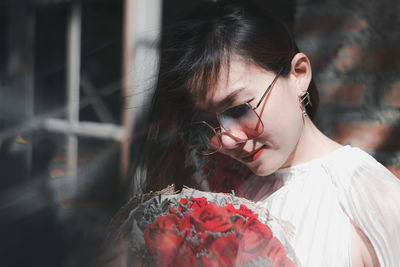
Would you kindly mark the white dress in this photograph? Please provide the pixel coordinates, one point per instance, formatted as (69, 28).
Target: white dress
(320, 197)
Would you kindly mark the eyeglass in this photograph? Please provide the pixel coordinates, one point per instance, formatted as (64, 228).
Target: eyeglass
(241, 122)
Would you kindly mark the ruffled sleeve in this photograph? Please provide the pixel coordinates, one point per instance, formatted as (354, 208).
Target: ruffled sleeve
(370, 195)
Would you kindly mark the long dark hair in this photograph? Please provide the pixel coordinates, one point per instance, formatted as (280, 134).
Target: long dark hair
(193, 51)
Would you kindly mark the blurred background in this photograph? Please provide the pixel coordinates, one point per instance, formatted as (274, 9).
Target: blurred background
(75, 81)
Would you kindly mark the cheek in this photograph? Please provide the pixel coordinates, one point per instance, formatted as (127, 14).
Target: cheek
(282, 133)
(283, 123)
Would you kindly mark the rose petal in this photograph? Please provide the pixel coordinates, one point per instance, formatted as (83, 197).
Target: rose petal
(184, 256)
(254, 237)
(212, 218)
(243, 210)
(162, 238)
(197, 203)
(223, 250)
(277, 253)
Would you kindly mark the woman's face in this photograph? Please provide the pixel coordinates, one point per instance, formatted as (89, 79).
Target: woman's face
(282, 116)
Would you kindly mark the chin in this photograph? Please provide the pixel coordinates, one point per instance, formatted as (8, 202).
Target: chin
(264, 166)
(262, 170)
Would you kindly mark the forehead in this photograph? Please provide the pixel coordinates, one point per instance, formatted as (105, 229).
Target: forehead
(234, 82)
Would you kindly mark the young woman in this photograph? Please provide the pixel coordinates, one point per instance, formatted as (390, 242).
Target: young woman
(232, 82)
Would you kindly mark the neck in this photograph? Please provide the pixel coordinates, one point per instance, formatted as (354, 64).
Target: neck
(312, 144)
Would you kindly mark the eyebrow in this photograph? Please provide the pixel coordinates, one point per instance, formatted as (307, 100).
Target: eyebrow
(228, 100)
(204, 114)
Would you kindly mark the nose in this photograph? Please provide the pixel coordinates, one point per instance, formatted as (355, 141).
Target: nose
(232, 139)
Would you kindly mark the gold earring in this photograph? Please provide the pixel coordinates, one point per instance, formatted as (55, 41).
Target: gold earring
(305, 100)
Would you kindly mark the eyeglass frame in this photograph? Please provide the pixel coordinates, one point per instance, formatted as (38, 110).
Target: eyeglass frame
(218, 133)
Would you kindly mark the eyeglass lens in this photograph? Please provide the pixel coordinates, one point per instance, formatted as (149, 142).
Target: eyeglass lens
(240, 122)
(202, 138)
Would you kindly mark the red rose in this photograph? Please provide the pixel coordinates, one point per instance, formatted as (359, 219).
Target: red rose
(184, 256)
(243, 210)
(162, 238)
(196, 237)
(277, 253)
(193, 203)
(256, 240)
(222, 252)
(212, 218)
(184, 201)
(238, 224)
(173, 211)
(253, 236)
(196, 203)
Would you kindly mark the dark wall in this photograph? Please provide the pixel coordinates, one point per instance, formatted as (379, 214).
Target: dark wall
(41, 224)
(355, 54)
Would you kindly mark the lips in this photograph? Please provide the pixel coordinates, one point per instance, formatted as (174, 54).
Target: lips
(253, 155)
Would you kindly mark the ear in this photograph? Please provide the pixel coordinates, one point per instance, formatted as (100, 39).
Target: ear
(301, 73)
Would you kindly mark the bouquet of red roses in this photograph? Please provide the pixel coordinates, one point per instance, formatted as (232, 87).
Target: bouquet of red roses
(197, 228)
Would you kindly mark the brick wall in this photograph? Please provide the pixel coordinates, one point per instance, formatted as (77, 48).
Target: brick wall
(354, 48)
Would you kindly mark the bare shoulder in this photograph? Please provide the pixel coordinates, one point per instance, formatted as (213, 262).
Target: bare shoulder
(362, 252)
